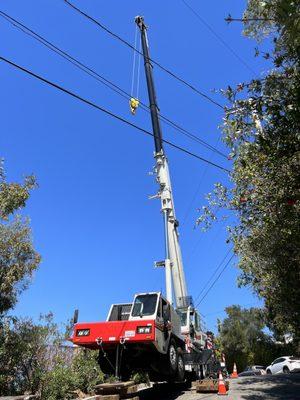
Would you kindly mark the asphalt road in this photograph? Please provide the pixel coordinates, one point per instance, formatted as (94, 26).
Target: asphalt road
(265, 387)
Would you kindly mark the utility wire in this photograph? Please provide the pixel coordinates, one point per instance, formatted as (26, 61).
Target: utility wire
(189, 208)
(169, 72)
(100, 78)
(214, 273)
(216, 35)
(215, 281)
(90, 103)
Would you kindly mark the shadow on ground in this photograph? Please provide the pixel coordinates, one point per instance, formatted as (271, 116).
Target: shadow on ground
(163, 392)
(271, 387)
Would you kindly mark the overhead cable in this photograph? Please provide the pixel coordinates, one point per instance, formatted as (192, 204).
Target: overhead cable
(118, 37)
(100, 78)
(215, 280)
(214, 273)
(221, 40)
(90, 103)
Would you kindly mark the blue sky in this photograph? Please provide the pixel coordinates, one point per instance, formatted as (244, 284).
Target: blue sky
(92, 222)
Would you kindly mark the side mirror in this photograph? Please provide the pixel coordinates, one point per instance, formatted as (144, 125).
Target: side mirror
(75, 317)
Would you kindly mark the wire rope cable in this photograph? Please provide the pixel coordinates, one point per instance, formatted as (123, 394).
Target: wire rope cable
(133, 63)
(138, 71)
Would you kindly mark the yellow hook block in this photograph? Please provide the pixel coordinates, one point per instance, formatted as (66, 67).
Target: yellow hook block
(133, 104)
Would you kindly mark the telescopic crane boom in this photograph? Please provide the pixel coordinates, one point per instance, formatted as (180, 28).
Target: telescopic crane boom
(174, 272)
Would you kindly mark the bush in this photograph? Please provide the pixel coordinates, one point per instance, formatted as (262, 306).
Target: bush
(33, 358)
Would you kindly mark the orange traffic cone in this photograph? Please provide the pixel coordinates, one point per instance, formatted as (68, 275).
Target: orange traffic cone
(221, 385)
(234, 373)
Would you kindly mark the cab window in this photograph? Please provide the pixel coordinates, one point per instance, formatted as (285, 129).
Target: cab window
(144, 304)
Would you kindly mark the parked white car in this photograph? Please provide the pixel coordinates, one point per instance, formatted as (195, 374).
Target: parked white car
(285, 364)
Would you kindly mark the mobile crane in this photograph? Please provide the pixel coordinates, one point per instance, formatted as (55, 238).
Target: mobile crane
(154, 333)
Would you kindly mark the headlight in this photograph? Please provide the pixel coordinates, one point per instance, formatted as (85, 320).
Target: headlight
(82, 332)
(144, 329)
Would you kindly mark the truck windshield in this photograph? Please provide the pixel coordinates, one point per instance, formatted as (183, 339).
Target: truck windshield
(144, 304)
(183, 317)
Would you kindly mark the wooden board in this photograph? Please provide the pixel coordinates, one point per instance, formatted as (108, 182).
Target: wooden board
(121, 389)
(208, 386)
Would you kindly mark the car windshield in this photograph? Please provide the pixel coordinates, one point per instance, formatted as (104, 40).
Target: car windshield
(144, 304)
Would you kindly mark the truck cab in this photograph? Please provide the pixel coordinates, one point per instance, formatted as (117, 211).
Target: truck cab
(146, 333)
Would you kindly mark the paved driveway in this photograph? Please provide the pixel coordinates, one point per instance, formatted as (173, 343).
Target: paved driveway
(265, 387)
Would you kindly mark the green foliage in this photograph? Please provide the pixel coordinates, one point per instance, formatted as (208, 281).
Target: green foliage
(34, 358)
(62, 381)
(243, 340)
(86, 369)
(24, 352)
(261, 127)
(18, 259)
(140, 377)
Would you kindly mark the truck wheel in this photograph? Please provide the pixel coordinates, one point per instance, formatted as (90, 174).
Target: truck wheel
(180, 369)
(172, 357)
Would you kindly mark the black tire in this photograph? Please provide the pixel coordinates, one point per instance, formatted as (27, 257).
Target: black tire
(172, 358)
(202, 372)
(180, 375)
(269, 372)
(286, 370)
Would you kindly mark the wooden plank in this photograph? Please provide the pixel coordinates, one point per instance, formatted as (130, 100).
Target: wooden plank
(121, 388)
(207, 386)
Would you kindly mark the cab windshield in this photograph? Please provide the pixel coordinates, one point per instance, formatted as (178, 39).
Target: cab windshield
(183, 317)
(144, 304)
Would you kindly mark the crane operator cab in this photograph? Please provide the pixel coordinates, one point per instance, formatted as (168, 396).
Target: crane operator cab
(191, 327)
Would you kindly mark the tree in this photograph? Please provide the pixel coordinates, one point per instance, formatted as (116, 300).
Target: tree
(261, 127)
(34, 358)
(242, 338)
(18, 259)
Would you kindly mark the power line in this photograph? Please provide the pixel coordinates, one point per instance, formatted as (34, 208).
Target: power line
(215, 281)
(98, 23)
(100, 78)
(189, 208)
(228, 47)
(214, 273)
(62, 89)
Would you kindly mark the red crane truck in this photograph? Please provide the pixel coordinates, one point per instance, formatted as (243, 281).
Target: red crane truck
(157, 334)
